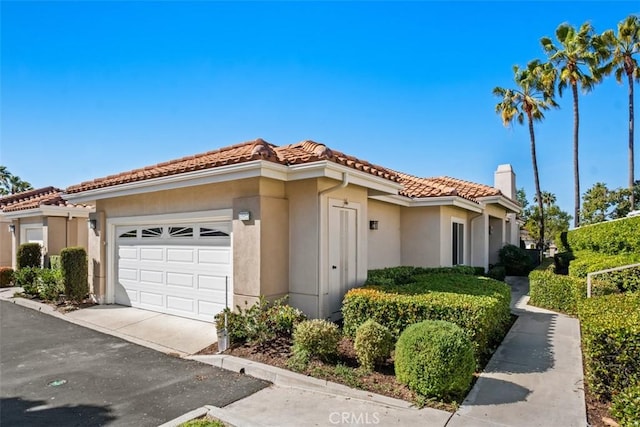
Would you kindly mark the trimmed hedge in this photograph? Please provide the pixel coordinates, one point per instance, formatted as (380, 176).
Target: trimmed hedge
(610, 328)
(479, 305)
(405, 274)
(373, 344)
(556, 292)
(611, 237)
(75, 266)
(626, 406)
(435, 359)
(587, 262)
(29, 255)
(6, 276)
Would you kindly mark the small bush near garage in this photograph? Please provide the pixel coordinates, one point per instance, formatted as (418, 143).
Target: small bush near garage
(435, 359)
(29, 255)
(479, 305)
(626, 406)
(373, 344)
(49, 284)
(556, 292)
(6, 276)
(261, 322)
(26, 278)
(315, 338)
(610, 328)
(74, 265)
(515, 260)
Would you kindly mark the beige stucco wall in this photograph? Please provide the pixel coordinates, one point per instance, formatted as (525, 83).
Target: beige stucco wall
(420, 231)
(6, 242)
(384, 243)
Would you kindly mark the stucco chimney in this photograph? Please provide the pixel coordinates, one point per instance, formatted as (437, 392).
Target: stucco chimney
(505, 181)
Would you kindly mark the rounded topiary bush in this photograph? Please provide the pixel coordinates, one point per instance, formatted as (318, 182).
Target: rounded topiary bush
(316, 338)
(373, 344)
(435, 359)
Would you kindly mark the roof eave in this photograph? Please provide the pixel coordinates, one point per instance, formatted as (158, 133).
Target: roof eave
(431, 201)
(502, 201)
(45, 210)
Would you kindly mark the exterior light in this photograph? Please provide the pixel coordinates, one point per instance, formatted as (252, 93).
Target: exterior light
(93, 223)
(373, 225)
(12, 228)
(244, 216)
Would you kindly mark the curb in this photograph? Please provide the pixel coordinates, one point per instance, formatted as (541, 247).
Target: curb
(191, 415)
(284, 378)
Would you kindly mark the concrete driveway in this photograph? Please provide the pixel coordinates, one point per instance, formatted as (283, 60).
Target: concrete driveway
(56, 373)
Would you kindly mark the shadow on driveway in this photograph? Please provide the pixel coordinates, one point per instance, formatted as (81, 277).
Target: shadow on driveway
(17, 411)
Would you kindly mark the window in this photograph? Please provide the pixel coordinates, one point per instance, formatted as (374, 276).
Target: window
(152, 232)
(131, 234)
(457, 243)
(181, 231)
(212, 232)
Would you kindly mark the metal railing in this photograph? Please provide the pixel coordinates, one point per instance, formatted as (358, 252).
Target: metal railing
(608, 270)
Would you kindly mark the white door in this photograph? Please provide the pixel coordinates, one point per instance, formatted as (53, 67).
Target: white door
(180, 269)
(343, 248)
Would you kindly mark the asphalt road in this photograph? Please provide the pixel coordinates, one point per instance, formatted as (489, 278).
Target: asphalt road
(55, 373)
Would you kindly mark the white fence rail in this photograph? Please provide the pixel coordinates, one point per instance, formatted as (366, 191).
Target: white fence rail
(608, 270)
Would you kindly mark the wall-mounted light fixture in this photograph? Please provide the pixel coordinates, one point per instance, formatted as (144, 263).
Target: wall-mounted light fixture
(244, 216)
(93, 223)
(12, 228)
(373, 225)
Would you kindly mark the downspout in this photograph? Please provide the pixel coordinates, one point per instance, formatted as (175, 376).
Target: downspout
(343, 184)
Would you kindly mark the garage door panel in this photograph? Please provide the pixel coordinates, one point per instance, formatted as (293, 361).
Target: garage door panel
(180, 279)
(173, 272)
(212, 283)
(214, 256)
(152, 254)
(180, 303)
(151, 276)
(180, 255)
(151, 298)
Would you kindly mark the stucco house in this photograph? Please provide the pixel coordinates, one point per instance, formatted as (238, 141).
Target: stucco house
(40, 216)
(188, 236)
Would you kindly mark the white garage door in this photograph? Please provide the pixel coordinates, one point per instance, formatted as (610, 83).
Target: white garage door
(180, 269)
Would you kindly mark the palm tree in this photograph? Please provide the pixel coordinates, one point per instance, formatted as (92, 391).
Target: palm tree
(577, 60)
(533, 95)
(548, 199)
(623, 47)
(4, 180)
(17, 185)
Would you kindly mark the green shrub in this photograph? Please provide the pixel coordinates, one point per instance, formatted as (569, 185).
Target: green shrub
(373, 344)
(588, 262)
(54, 261)
(497, 272)
(610, 328)
(479, 305)
(515, 260)
(626, 406)
(547, 264)
(611, 237)
(6, 276)
(26, 278)
(49, 284)
(556, 292)
(435, 359)
(29, 255)
(75, 273)
(261, 322)
(316, 338)
(404, 275)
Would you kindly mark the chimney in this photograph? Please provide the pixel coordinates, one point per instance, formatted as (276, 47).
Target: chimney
(505, 181)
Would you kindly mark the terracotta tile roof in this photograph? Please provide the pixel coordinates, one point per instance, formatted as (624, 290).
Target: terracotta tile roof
(310, 151)
(32, 199)
(415, 187)
(303, 152)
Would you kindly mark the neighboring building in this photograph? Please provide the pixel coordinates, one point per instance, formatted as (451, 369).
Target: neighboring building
(40, 216)
(188, 236)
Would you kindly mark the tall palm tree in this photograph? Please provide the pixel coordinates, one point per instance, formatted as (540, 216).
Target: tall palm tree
(548, 199)
(624, 46)
(577, 59)
(533, 95)
(4, 180)
(17, 185)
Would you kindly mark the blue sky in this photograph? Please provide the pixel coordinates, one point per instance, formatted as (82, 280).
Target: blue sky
(95, 88)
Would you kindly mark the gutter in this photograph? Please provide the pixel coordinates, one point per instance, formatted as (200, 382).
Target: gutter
(343, 184)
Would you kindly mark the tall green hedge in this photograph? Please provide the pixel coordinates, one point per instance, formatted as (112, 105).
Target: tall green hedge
(479, 305)
(29, 255)
(556, 292)
(611, 237)
(610, 327)
(75, 266)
